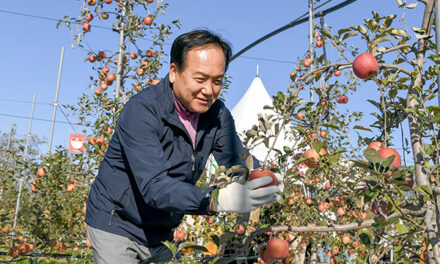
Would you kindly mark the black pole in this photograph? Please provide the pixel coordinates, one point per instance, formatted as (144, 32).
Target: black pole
(293, 23)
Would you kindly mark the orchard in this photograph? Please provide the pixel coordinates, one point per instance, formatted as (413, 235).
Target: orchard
(365, 202)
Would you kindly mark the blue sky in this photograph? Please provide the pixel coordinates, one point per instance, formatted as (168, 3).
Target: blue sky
(31, 47)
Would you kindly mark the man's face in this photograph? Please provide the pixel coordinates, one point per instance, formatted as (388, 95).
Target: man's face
(199, 83)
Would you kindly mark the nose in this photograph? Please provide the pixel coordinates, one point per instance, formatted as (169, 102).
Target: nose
(208, 89)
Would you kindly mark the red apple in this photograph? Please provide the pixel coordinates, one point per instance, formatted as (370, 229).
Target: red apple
(276, 249)
(133, 55)
(92, 58)
(307, 62)
(41, 172)
(86, 26)
(89, 17)
(108, 1)
(148, 20)
(337, 73)
(376, 145)
(179, 235)
(258, 173)
(240, 229)
(383, 206)
(388, 152)
(104, 15)
(150, 53)
(365, 66)
(105, 70)
(111, 77)
(102, 54)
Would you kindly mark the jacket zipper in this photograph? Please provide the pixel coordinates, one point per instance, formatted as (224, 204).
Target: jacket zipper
(111, 216)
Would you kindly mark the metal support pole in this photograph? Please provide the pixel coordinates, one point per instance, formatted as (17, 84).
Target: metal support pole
(121, 50)
(20, 187)
(311, 49)
(437, 38)
(321, 20)
(55, 103)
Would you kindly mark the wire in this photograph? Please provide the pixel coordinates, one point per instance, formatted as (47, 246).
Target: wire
(22, 101)
(39, 119)
(271, 60)
(108, 28)
(58, 20)
(64, 114)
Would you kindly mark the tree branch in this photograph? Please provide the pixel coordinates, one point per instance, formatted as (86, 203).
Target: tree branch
(404, 70)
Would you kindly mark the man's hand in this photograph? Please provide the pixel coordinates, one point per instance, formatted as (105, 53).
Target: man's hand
(243, 198)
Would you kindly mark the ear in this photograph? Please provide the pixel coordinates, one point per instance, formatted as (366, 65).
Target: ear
(173, 73)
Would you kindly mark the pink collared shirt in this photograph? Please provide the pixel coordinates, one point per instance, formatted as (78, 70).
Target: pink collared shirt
(188, 119)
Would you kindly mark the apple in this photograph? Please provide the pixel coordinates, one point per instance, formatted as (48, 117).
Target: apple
(313, 156)
(155, 81)
(92, 140)
(105, 70)
(346, 239)
(343, 99)
(323, 133)
(388, 152)
(258, 173)
(309, 201)
(98, 92)
(138, 87)
(300, 115)
(140, 71)
(133, 55)
(150, 53)
(240, 230)
(92, 58)
(150, 1)
(335, 250)
(91, 2)
(333, 261)
(322, 207)
(383, 206)
(337, 73)
(292, 75)
(340, 211)
(102, 54)
(86, 26)
(104, 15)
(144, 64)
(179, 235)
(319, 43)
(111, 77)
(276, 249)
(89, 17)
(108, 1)
(14, 251)
(104, 85)
(307, 62)
(376, 145)
(41, 172)
(148, 20)
(70, 187)
(328, 185)
(365, 66)
(6, 229)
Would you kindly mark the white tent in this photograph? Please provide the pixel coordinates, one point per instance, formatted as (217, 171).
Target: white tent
(246, 111)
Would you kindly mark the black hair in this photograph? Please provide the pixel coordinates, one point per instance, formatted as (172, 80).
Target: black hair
(197, 38)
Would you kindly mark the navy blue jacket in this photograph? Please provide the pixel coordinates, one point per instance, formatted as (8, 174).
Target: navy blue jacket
(145, 183)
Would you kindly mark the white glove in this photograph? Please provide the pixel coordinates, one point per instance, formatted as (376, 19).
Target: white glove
(280, 187)
(243, 198)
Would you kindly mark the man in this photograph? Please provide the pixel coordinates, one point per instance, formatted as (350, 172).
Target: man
(161, 143)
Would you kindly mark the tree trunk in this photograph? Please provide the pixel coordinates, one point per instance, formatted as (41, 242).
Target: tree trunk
(422, 178)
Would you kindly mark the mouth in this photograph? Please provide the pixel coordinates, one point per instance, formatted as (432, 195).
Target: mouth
(204, 101)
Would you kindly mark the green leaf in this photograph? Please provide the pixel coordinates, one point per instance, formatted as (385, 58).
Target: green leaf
(419, 30)
(398, 32)
(250, 163)
(317, 145)
(349, 34)
(361, 29)
(372, 155)
(170, 246)
(331, 126)
(362, 128)
(401, 228)
(365, 239)
(399, 2)
(424, 189)
(411, 6)
(193, 245)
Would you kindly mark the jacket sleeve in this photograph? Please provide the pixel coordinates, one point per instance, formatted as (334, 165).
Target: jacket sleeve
(138, 133)
(228, 148)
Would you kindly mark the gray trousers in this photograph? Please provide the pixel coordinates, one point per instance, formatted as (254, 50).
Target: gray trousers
(109, 248)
